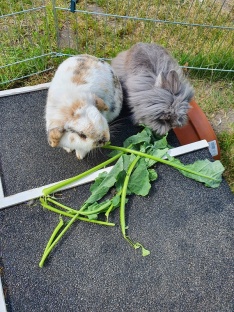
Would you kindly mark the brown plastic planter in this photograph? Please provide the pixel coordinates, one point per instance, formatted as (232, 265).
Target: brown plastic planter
(198, 128)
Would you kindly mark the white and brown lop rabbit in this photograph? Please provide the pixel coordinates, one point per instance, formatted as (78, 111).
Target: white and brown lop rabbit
(156, 90)
(83, 97)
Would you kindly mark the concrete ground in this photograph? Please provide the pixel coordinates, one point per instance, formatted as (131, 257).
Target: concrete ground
(187, 227)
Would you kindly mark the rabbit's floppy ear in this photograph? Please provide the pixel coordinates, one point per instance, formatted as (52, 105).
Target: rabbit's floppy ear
(54, 136)
(100, 104)
(173, 81)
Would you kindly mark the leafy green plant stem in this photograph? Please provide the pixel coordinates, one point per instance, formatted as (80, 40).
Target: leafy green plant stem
(111, 207)
(167, 162)
(145, 252)
(108, 212)
(61, 184)
(72, 211)
(67, 214)
(55, 232)
(48, 250)
(123, 196)
(124, 178)
(85, 213)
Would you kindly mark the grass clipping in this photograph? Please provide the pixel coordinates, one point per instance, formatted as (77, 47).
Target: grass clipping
(134, 162)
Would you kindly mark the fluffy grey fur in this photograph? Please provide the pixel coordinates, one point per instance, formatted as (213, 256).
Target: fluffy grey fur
(154, 85)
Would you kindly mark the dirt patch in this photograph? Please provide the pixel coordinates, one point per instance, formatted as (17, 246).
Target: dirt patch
(66, 38)
(95, 8)
(223, 121)
(227, 5)
(110, 21)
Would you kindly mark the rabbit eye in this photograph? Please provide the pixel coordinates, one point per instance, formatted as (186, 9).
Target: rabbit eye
(82, 135)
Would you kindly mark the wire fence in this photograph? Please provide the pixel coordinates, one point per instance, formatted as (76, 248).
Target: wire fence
(36, 35)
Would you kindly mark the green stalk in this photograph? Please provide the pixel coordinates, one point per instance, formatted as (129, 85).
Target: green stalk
(64, 213)
(164, 161)
(123, 196)
(55, 232)
(108, 212)
(145, 252)
(111, 207)
(48, 250)
(61, 184)
(72, 211)
(84, 213)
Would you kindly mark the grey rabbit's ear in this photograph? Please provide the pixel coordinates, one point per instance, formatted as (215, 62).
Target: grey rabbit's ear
(173, 81)
(161, 80)
(100, 104)
(54, 136)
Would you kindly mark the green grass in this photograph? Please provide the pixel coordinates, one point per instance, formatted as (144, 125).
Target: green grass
(28, 37)
(25, 41)
(214, 96)
(226, 141)
(35, 33)
(218, 98)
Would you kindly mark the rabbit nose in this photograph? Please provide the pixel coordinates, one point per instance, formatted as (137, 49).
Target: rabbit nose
(102, 141)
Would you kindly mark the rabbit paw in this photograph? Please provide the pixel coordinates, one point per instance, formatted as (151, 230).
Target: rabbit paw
(80, 154)
(69, 150)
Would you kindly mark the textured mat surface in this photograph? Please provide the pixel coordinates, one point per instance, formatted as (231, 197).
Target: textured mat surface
(187, 227)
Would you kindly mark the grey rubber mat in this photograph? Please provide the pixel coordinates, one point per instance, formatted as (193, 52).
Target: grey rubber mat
(187, 227)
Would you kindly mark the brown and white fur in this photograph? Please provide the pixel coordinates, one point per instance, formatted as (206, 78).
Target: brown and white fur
(154, 86)
(83, 97)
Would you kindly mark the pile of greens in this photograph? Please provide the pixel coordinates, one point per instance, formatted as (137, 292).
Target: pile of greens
(134, 162)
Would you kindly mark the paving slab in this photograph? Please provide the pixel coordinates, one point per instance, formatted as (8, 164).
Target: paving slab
(187, 227)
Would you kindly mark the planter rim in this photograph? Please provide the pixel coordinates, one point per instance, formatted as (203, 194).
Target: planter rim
(198, 128)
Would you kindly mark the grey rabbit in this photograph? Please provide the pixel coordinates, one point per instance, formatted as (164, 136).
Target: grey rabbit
(156, 90)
